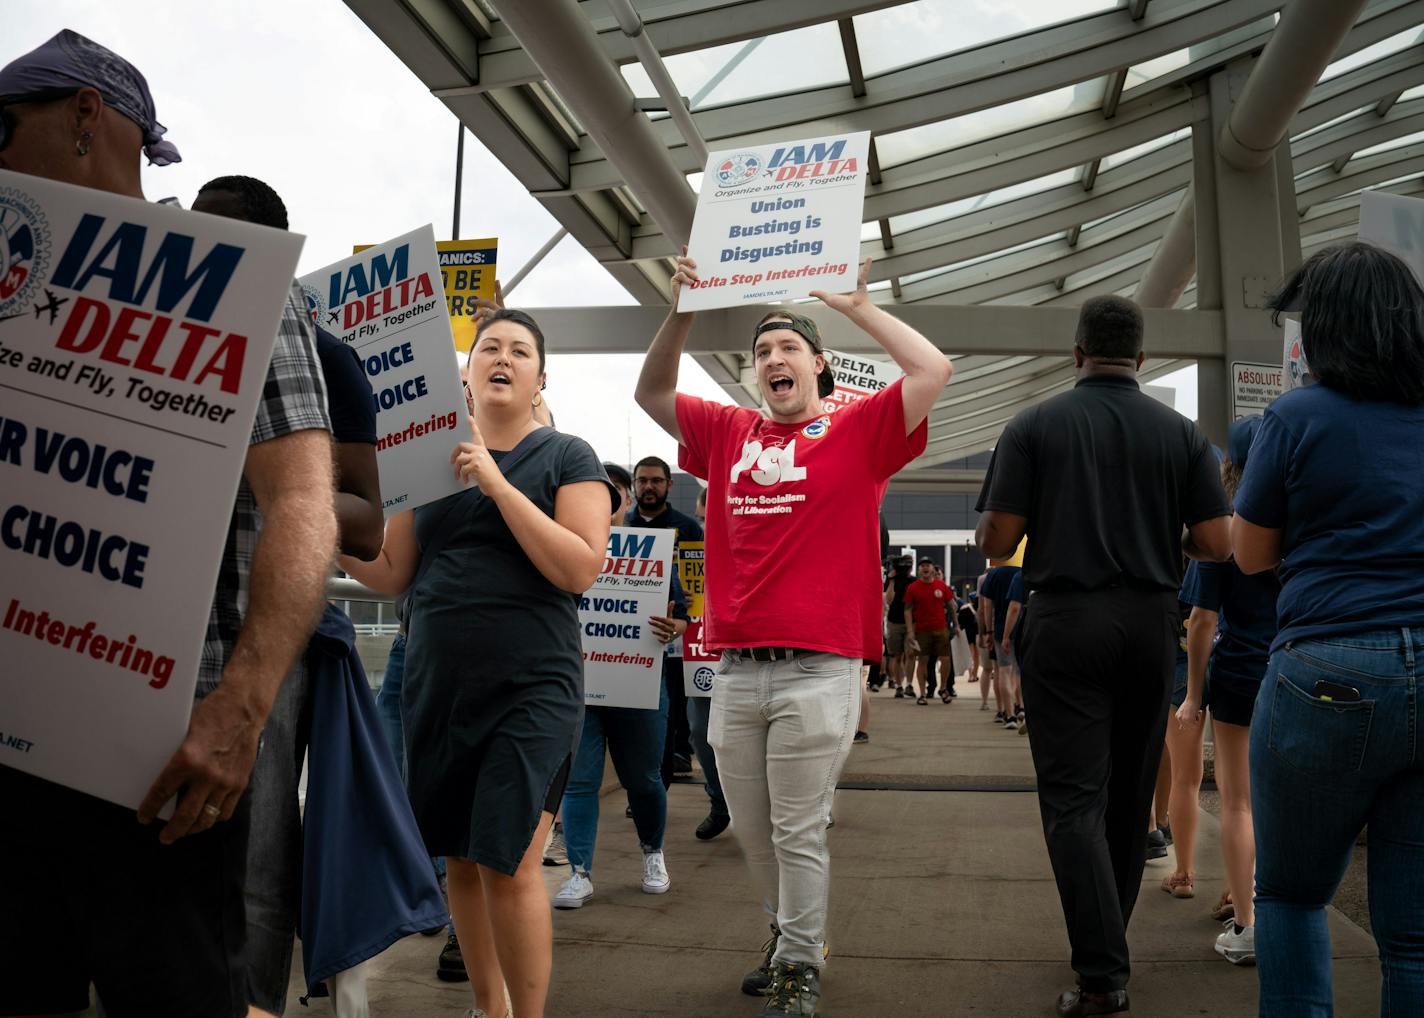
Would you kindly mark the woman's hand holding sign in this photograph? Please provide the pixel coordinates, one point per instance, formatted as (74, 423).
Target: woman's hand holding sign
(475, 465)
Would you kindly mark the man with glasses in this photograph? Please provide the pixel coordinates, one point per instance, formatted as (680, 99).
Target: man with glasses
(652, 483)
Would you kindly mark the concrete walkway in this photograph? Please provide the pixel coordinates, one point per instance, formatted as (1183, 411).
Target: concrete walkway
(943, 904)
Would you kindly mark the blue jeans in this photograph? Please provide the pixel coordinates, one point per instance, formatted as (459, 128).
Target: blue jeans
(388, 702)
(699, 709)
(1320, 771)
(634, 738)
(388, 699)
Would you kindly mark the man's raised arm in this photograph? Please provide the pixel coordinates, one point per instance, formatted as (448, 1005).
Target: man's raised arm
(657, 382)
(927, 371)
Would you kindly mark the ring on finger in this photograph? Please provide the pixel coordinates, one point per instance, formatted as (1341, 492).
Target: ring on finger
(211, 810)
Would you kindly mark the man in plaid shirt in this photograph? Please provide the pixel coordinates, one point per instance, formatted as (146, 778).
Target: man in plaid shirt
(153, 915)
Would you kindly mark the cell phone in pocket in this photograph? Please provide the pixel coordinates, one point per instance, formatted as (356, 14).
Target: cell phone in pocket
(1335, 692)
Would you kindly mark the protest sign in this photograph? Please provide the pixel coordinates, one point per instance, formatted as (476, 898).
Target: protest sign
(134, 344)
(467, 269)
(467, 272)
(856, 378)
(387, 303)
(622, 658)
(1254, 387)
(697, 662)
(1396, 224)
(1297, 369)
(775, 222)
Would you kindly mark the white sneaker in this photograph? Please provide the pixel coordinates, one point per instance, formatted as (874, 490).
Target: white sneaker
(575, 892)
(1237, 948)
(655, 874)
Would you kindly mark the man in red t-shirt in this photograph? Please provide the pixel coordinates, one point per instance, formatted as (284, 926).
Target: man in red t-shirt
(928, 626)
(792, 490)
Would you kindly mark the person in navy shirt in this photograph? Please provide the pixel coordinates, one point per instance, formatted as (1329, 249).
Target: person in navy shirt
(1238, 612)
(1333, 496)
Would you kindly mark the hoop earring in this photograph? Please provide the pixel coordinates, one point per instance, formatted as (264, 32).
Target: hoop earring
(537, 401)
(82, 145)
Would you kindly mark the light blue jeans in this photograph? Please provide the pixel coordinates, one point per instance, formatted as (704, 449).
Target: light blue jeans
(782, 731)
(1320, 771)
(634, 739)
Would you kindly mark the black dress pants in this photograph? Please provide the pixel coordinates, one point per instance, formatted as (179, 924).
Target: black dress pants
(1097, 680)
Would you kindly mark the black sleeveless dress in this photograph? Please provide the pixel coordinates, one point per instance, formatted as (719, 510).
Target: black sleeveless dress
(493, 695)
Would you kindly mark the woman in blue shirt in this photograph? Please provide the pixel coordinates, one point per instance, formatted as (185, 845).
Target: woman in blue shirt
(1334, 495)
(1239, 612)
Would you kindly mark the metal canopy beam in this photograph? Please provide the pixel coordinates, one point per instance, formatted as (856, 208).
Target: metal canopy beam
(680, 26)
(1366, 171)
(993, 330)
(952, 86)
(560, 40)
(1032, 217)
(1305, 39)
(999, 277)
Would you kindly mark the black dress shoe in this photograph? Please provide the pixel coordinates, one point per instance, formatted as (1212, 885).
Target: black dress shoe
(1079, 1004)
(713, 825)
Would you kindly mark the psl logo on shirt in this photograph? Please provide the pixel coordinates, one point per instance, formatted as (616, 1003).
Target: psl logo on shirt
(773, 464)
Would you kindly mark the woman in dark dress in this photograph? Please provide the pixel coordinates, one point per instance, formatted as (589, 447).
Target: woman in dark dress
(493, 694)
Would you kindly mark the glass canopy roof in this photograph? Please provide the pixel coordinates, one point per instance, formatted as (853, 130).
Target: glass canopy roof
(1026, 151)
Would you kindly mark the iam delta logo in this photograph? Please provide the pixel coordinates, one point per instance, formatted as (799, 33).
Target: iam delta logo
(702, 679)
(24, 253)
(817, 428)
(739, 169)
(317, 306)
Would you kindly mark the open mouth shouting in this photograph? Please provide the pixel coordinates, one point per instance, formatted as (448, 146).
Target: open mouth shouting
(780, 383)
(501, 378)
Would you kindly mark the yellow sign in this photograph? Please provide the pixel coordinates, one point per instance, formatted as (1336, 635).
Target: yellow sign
(689, 571)
(467, 271)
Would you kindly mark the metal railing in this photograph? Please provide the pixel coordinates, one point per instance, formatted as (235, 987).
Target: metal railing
(375, 617)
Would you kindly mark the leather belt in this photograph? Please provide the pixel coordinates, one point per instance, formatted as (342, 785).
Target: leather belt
(771, 653)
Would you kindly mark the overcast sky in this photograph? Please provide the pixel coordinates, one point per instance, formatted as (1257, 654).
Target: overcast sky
(301, 94)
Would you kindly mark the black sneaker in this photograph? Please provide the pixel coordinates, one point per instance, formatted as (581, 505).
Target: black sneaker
(1000, 717)
(713, 825)
(681, 764)
(451, 968)
(757, 982)
(1166, 830)
(861, 738)
(795, 990)
(899, 693)
(1156, 845)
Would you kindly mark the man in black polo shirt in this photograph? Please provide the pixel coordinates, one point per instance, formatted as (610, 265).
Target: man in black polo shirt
(1102, 479)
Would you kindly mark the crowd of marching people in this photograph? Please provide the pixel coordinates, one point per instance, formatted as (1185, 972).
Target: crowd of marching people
(1296, 629)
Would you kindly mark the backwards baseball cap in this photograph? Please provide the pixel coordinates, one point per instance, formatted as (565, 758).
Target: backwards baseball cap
(1240, 437)
(70, 61)
(806, 329)
(927, 561)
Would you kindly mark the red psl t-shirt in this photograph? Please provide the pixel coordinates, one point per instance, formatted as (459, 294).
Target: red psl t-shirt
(927, 601)
(793, 529)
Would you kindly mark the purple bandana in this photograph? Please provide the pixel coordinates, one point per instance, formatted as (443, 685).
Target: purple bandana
(69, 60)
